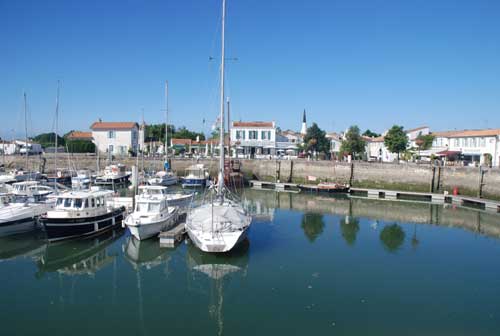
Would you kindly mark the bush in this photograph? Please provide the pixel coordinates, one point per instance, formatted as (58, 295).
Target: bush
(80, 146)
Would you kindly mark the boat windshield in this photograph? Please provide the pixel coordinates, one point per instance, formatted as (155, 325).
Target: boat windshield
(76, 203)
(147, 207)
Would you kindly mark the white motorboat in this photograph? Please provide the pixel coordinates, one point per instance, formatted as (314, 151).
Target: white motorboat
(152, 213)
(31, 189)
(196, 176)
(178, 199)
(221, 222)
(163, 178)
(19, 217)
(81, 213)
(82, 180)
(114, 174)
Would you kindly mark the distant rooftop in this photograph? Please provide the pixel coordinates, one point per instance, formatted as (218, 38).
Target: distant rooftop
(112, 125)
(80, 135)
(468, 133)
(256, 124)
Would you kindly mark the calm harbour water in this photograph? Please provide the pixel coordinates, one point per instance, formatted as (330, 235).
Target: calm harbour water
(312, 265)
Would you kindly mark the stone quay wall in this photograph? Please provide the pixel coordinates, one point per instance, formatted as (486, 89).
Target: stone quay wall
(405, 176)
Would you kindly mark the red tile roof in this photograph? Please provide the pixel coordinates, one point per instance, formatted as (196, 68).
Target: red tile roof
(182, 141)
(105, 125)
(467, 133)
(256, 124)
(80, 135)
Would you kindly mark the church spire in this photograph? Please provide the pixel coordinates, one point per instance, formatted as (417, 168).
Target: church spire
(303, 129)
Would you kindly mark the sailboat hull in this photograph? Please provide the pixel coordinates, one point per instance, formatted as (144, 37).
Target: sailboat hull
(205, 242)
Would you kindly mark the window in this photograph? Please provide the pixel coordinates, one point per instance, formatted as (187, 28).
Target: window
(67, 202)
(240, 135)
(483, 142)
(111, 134)
(457, 143)
(253, 135)
(92, 202)
(77, 203)
(86, 203)
(473, 142)
(265, 135)
(111, 148)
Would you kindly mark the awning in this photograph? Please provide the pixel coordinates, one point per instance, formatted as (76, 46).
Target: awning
(448, 153)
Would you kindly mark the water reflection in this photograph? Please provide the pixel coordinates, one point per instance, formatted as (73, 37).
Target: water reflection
(349, 228)
(145, 253)
(477, 221)
(312, 225)
(27, 245)
(392, 237)
(78, 257)
(218, 268)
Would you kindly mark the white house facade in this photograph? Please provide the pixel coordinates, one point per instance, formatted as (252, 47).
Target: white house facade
(115, 138)
(259, 139)
(471, 146)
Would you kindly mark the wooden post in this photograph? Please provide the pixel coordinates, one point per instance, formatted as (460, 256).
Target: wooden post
(438, 185)
(481, 179)
(352, 174)
(432, 180)
(290, 178)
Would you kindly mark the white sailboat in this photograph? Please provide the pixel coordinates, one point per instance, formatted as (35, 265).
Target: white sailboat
(220, 222)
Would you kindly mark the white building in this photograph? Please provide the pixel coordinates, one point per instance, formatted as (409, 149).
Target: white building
(293, 137)
(376, 149)
(8, 148)
(335, 143)
(469, 146)
(115, 138)
(258, 139)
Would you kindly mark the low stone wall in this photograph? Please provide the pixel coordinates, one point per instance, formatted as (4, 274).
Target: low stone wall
(409, 176)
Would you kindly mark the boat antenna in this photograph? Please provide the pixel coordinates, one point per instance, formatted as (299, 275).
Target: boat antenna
(26, 130)
(55, 136)
(221, 117)
(166, 120)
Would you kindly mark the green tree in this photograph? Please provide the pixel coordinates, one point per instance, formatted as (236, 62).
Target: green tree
(371, 134)
(184, 133)
(349, 227)
(315, 139)
(48, 140)
(396, 140)
(156, 132)
(80, 146)
(353, 143)
(424, 142)
(392, 237)
(313, 225)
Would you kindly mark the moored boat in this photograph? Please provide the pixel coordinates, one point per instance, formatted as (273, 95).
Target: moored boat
(196, 176)
(163, 178)
(152, 213)
(20, 217)
(81, 213)
(114, 174)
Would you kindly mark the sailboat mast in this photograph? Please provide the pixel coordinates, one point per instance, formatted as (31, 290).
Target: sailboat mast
(221, 117)
(55, 135)
(26, 129)
(166, 120)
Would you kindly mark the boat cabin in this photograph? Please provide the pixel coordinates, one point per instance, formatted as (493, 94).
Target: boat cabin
(152, 190)
(197, 171)
(78, 201)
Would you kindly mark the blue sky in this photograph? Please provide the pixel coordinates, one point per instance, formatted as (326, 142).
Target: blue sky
(373, 63)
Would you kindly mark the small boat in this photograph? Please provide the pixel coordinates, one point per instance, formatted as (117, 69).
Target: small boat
(82, 180)
(20, 217)
(32, 189)
(62, 177)
(152, 213)
(163, 178)
(114, 174)
(178, 199)
(21, 176)
(196, 176)
(81, 213)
